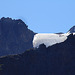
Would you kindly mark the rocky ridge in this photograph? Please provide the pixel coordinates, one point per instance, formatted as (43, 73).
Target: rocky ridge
(58, 59)
(15, 37)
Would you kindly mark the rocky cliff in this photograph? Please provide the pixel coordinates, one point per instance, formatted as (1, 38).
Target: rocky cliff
(15, 37)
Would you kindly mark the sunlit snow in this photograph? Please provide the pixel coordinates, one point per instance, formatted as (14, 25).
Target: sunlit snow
(48, 39)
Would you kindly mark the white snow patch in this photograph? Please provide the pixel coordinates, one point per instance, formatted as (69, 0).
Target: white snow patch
(48, 39)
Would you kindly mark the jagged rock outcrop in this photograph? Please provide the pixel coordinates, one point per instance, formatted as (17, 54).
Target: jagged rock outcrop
(15, 37)
(72, 30)
(58, 59)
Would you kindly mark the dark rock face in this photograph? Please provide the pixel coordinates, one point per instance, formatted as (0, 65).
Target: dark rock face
(58, 59)
(72, 30)
(15, 37)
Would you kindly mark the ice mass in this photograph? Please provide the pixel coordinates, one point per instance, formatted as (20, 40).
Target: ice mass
(51, 38)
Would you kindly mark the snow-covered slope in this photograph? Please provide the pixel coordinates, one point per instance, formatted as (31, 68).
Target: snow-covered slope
(49, 39)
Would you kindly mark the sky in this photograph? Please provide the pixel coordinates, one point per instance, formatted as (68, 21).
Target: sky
(41, 16)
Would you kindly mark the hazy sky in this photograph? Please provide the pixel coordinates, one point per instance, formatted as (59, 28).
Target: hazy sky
(41, 16)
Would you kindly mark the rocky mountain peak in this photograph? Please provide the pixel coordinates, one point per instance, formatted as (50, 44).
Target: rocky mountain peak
(15, 37)
(72, 30)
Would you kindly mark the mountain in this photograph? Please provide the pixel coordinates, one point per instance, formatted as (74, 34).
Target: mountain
(58, 59)
(72, 30)
(15, 37)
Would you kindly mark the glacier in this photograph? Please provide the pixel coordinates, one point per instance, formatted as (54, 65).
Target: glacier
(49, 39)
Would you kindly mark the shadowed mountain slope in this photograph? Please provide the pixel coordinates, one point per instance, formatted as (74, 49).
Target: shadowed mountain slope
(15, 37)
(58, 59)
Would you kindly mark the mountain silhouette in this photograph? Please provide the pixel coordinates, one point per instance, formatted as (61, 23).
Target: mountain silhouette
(15, 37)
(58, 59)
(18, 57)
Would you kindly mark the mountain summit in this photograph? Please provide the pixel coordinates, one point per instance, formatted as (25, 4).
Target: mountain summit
(15, 37)
(72, 30)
